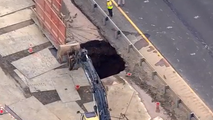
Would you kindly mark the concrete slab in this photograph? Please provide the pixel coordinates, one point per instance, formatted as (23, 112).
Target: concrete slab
(32, 109)
(66, 88)
(15, 18)
(43, 82)
(36, 64)
(65, 111)
(112, 80)
(10, 93)
(136, 109)
(126, 102)
(89, 106)
(21, 39)
(23, 78)
(9, 6)
(6, 79)
(6, 117)
(78, 76)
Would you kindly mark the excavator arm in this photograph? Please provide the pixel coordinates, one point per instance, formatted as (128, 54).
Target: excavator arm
(82, 59)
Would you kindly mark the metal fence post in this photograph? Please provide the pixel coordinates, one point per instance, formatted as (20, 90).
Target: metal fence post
(166, 87)
(105, 20)
(153, 74)
(94, 6)
(117, 34)
(141, 61)
(191, 115)
(129, 47)
(178, 102)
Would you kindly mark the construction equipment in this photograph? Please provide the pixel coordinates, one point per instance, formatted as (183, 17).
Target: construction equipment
(80, 57)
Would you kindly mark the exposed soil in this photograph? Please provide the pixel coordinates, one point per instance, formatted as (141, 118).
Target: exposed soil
(104, 57)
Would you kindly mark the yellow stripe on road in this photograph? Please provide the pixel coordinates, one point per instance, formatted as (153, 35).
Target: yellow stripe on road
(144, 37)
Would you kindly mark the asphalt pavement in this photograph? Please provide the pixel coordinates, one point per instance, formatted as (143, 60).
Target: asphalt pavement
(183, 32)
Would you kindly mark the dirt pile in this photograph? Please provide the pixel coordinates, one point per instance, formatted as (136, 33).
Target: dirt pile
(104, 58)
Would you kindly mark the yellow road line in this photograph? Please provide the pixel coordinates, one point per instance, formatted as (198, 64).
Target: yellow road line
(144, 37)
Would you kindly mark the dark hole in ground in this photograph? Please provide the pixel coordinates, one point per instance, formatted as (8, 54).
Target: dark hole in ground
(46, 97)
(104, 58)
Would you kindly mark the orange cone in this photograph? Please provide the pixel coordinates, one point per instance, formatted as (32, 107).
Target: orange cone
(1, 111)
(157, 107)
(77, 87)
(129, 74)
(30, 50)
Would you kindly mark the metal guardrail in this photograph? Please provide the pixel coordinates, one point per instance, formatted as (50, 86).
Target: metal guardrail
(7, 110)
(119, 33)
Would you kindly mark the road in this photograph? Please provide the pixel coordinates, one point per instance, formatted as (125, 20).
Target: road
(182, 31)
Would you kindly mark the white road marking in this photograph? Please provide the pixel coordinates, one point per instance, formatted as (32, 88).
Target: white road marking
(178, 60)
(146, 1)
(196, 17)
(169, 27)
(192, 54)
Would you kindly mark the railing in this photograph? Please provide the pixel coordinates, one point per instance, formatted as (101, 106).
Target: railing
(11, 112)
(122, 40)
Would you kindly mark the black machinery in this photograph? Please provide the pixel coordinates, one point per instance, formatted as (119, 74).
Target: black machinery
(101, 110)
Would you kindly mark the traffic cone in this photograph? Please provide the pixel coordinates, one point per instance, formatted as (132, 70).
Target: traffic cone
(30, 50)
(128, 74)
(157, 107)
(77, 87)
(1, 111)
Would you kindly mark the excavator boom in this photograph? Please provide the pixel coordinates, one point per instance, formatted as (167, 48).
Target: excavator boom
(99, 93)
